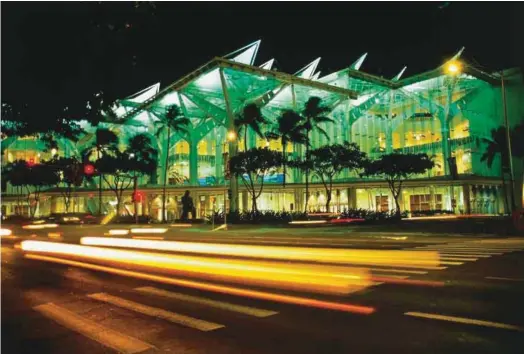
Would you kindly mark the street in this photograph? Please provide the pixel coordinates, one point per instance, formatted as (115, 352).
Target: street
(470, 303)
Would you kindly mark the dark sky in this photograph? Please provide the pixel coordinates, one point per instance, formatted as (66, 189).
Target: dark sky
(65, 51)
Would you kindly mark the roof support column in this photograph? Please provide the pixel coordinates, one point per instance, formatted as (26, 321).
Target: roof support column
(389, 131)
(233, 144)
(193, 162)
(446, 139)
(297, 148)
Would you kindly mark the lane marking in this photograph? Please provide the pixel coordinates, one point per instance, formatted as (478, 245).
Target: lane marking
(508, 279)
(385, 276)
(187, 321)
(476, 249)
(465, 320)
(409, 281)
(469, 253)
(463, 259)
(110, 338)
(294, 300)
(252, 311)
(385, 270)
(465, 254)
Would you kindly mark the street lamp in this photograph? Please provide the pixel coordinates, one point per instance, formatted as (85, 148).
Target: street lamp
(231, 135)
(454, 67)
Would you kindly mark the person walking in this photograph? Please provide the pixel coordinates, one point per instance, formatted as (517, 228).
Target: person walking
(187, 206)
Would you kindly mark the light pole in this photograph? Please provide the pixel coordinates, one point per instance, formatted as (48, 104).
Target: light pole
(454, 67)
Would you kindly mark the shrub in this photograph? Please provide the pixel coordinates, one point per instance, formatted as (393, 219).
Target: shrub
(432, 212)
(258, 217)
(371, 215)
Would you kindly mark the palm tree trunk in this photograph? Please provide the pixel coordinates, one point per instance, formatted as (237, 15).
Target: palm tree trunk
(504, 190)
(284, 163)
(99, 185)
(307, 173)
(245, 140)
(165, 175)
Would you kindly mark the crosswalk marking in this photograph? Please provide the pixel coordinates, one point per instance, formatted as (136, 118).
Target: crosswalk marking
(507, 279)
(103, 335)
(403, 271)
(451, 263)
(183, 320)
(465, 255)
(464, 320)
(457, 258)
(252, 311)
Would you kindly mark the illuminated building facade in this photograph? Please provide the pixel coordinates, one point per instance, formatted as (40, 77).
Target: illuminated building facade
(441, 113)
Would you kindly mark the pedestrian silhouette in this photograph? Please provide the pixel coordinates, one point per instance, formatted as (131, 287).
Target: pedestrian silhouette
(187, 206)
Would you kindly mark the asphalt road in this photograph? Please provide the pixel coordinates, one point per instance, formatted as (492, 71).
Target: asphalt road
(55, 308)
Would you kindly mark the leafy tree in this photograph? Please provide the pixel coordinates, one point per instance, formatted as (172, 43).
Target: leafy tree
(34, 178)
(314, 114)
(289, 129)
(105, 143)
(252, 166)
(251, 117)
(396, 168)
(328, 161)
(70, 172)
(173, 121)
(23, 120)
(497, 145)
(143, 153)
(144, 156)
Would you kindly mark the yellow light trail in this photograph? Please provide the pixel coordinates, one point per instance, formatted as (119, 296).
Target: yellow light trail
(39, 226)
(295, 300)
(406, 259)
(5, 232)
(118, 232)
(311, 278)
(149, 231)
(306, 222)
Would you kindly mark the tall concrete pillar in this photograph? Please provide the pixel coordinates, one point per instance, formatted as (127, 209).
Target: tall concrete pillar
(298, 205)
(233, 145)
(245, 205)
(352, 198)
(466, 197)
(219, 161)
(193, 163)
(54, 204)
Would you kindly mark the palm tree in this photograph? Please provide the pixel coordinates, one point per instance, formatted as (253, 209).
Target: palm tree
(144, 156)
(105, 141)
(251, 117)
(172, 121)
(289, 129)
(314, 114)
(144, 153)
(497, 145)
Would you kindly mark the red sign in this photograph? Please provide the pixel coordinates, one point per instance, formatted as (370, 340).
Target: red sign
(89, 169)
(137, 196)
(31, 162)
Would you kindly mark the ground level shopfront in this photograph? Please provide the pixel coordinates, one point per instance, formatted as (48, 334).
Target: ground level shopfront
(474, 196)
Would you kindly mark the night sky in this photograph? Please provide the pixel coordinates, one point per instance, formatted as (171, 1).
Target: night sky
(62, 52)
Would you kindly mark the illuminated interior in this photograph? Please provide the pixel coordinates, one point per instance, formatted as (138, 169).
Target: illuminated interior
(431, 113)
